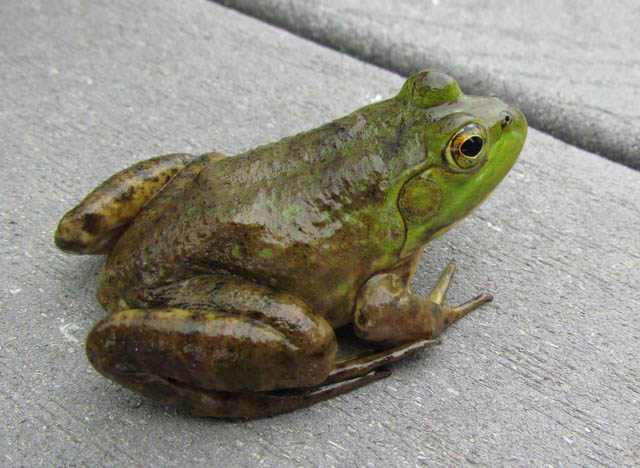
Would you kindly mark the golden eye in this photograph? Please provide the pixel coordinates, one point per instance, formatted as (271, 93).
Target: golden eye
(465, 149)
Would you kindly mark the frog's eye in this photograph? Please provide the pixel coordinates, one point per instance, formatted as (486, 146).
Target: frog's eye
(464, 151)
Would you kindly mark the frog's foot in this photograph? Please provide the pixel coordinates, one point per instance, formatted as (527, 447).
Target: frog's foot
(228, 347)
(349, 372)
(223, 404)
(439, 294)
(363, 362)
(386, 311)
(94, 226)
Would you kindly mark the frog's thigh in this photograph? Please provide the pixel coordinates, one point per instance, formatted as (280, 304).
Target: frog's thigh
(227, 335)
(96, 223)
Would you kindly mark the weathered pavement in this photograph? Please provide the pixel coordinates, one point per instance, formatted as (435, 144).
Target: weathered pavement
(546, 375)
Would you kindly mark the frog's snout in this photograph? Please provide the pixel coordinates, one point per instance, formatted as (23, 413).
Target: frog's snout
(516, 115)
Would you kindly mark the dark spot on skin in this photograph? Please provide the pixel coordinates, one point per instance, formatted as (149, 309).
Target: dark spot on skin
(197, 316)
(92, 223)
(362, 319)
(217, 286)
(335, 125)
(393, 146)
(126, 195)
(254, 315)
(70, 245)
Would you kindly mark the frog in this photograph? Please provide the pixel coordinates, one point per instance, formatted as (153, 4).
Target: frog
(227, 276)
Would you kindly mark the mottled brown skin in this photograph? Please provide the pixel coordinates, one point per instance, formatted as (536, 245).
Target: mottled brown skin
(96, 224)
(227, 275)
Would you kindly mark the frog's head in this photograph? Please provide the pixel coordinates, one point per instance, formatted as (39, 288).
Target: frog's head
(470, 143)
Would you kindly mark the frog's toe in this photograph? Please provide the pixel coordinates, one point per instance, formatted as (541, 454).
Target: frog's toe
(439, 294)
(362, 363)
(214, 403)
(283, 401)
(451, 314)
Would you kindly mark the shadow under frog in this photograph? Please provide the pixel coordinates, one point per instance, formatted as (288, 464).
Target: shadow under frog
(226, 276)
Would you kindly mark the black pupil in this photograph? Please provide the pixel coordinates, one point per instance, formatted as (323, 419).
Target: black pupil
(472, 146)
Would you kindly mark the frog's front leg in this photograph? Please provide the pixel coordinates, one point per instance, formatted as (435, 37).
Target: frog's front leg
(96, 223)
(388, 313)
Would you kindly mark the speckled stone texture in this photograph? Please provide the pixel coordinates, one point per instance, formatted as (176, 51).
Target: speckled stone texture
(546, 375)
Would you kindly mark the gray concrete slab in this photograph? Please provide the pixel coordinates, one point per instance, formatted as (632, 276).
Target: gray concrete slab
(546, 375)
(573, 67)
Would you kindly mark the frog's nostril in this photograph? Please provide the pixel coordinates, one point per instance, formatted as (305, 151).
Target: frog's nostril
(506, 120)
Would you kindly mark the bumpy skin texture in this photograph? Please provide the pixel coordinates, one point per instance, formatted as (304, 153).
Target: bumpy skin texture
(226, 275)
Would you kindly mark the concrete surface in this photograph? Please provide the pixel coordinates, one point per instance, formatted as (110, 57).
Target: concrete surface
(546, 375)
(572, 66)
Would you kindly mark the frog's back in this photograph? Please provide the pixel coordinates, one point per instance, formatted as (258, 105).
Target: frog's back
(312, 215)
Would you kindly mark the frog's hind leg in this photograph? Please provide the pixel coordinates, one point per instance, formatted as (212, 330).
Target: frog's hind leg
(97, 222)
(348, 373)
(217, 345)
(228, 347)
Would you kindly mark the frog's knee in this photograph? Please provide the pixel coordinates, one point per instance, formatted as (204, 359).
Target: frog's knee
(97, 222)
(86, 234)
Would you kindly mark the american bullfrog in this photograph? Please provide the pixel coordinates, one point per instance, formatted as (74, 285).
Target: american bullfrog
(226, 276)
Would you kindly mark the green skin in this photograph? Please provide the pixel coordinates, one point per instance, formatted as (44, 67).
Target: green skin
(226, 276)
